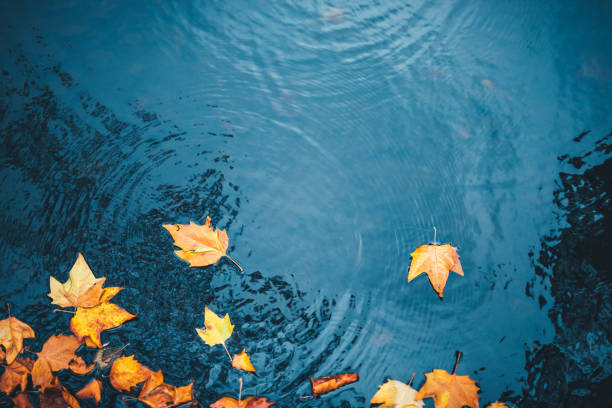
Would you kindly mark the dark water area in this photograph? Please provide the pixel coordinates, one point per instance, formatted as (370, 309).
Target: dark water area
(328, 138)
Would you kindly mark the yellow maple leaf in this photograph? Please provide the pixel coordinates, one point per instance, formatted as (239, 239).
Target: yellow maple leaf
(396, 394)
(82, 289)
(12, 333)
(216, 330)
(89, 322)
(436, 261)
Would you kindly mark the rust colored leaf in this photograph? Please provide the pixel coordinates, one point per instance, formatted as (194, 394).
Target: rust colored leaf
(12, 333)
(449, 390)
(497, 404)
(42, 376)
(91, 390)
(250, 402)
(90, 322)
(156, 394)
(16, 374)
(396, 394)
(200, 244)
(22, 401)
(126, 372)
(436, 261)
(330, 383)
(78, 366)
(59, 351)
(57, 396)
(217, 329)
(82, 289)
(242, 361)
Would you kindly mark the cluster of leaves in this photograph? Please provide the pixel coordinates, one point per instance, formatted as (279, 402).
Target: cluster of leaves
(200, 246)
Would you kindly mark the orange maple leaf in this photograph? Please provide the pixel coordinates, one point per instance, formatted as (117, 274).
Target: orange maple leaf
(12, 333)
(90, 322)
(156, 394)
(200, 244)
(330, 383)
(250, 402)
(497, 404)
(91, 390)
(16, 374)
(449, 390)
(436, 261)
(242, 361)
(126, 372)
(58, 353)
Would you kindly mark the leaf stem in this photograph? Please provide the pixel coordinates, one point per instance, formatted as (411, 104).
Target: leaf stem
(240, 392)
(64, 311)
(8, 306)
(435, 235)
(411, 379)
(227, 352)
(235, 263)
(456, 362)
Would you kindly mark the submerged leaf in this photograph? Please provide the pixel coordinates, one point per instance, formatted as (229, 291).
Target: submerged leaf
(12, 333)
(56, 396)
(16, 374)
(22, 401)
(436, 261)
(396, 394)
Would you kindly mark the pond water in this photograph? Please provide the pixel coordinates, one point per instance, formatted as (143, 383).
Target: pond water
(328, 138)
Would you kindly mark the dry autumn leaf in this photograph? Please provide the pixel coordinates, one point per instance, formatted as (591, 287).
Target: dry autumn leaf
(16, 374)
(88, 323)
(436, 261)
(497, 404)
(449, 390)
(200, 244)
(91, 390)
(56, 396)
(396, 394)
(12, 333)
(22, 401)
(82, 289)
(156, 394)
(42, 376)
(126, 372)
(217, 330)
(242, 361)
(250, 402)
(330, 383)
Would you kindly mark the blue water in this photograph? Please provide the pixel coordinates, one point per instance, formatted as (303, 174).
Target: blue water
(328, 138)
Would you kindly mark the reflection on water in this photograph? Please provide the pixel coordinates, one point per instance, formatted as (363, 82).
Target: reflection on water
(328, 138)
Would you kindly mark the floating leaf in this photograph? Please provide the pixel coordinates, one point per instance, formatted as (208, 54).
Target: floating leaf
(42, 376)
(16, 374)
(436, 261)
(396, 394)
(216, 330)
(200, 244)
(90, 322)
(12, 333)
(59, 351)
(250, 402)
(126, 373)
(82, 289)
(330, 383)
(497, 404)
(91, 390)
(242, 361)
(449, 390)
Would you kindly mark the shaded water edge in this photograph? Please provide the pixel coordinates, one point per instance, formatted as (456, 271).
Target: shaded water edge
(575, 369)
